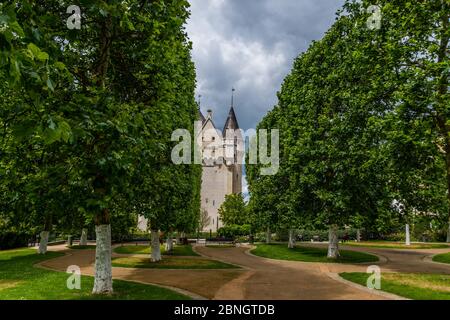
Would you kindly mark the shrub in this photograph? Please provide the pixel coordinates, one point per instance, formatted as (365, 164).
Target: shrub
(233, 231)
(12, 240)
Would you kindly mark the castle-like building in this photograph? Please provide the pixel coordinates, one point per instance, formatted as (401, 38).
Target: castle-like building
(222, 163)
(222, 154)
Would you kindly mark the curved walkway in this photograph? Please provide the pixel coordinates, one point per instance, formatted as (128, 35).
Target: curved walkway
(263, 279)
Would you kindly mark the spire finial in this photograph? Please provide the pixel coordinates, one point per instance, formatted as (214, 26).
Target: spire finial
(232, 97)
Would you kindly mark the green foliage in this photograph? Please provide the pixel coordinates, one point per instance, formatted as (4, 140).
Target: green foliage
(233, 210)
(88, 114)
(233, 231)
(13, 239)
(363, 123)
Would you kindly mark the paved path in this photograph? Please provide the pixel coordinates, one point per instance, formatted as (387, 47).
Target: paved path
(263, 279)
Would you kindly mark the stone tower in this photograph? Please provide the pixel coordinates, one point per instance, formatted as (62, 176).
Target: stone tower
(222, 156)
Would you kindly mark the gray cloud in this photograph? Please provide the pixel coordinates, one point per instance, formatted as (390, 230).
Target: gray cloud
(250, 45)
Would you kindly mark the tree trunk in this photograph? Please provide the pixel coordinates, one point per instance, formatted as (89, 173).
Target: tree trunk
(291, 244)
(408, 236)
(169, 242)
(156, 250)
(83, 239)
(333, 243)
(268, 236)
(43, 242)
(69, 240)
(442, 92)
(358, 235)
(103, 269)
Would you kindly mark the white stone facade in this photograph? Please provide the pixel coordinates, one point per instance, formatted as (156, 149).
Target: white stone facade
(222, 158)
(222, 154)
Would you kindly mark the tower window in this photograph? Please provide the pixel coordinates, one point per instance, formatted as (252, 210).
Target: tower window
(207, 200)
(214, 203)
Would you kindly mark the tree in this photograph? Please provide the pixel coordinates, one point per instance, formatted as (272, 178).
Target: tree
(204, 221)
(99, 103)
(233, 210)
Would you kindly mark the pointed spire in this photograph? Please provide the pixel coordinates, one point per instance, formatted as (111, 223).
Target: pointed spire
(231, 122)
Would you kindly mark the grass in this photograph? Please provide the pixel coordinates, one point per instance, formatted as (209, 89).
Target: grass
(443, 258)
(409, 285)
(308, 254)
(77, 247)
(396, 245)
(140, 249)
(21, 280)
(171, 263)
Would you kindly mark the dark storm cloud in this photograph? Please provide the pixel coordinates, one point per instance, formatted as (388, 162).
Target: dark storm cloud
(250, 45)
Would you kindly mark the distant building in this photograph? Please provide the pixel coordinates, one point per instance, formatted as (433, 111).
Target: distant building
(222, 161)
(223, 153)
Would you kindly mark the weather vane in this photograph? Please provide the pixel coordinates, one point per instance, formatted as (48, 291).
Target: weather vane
(232, 96)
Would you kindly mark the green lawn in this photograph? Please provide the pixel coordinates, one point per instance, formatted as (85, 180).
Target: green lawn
(140, 249)
(409, 285)
(77, 247)
(308, 254)
(443, 258)
(171, 263)
(21, 280)
(396, 245)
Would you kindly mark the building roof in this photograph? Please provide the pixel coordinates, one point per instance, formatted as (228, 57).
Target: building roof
(201, 116)
(231, 122)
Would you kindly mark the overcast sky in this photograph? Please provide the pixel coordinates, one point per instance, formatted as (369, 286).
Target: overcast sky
(250, 45)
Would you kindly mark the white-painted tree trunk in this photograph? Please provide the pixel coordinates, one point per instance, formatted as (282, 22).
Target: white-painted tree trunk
(103, 269)
(155, 246)
(169, 242)
(268, 236)
(83, 238)
(408, 236)
(333, 243)
(358, 235)
(291, 244)
(43, 242)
